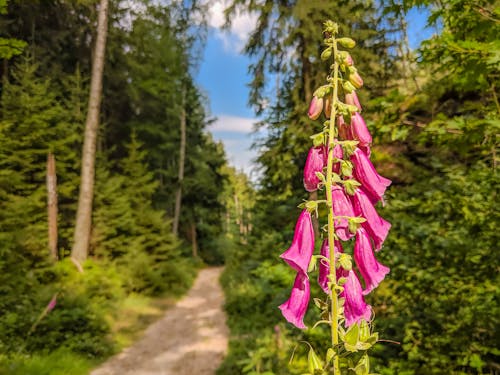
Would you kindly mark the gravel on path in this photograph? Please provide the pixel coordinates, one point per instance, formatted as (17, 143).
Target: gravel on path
(191, 338)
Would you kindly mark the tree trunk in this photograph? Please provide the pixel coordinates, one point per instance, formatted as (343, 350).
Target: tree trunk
(52, 205)
(182, 157)
(194, 240)
(80, 248)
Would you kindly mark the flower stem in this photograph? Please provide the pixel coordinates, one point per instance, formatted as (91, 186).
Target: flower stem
(331, 224)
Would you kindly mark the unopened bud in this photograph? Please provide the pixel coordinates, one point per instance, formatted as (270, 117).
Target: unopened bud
(348, 87)
(352, 99)
(346, 42)
(328, 108)
(315, 108)
(325, 55)
(356, 80)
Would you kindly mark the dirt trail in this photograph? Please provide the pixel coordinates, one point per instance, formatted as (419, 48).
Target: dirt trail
(190, 339)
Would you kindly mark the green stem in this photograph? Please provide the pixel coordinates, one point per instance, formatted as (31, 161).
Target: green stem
(331, 225)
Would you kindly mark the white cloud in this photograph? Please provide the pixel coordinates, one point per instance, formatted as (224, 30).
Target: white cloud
(242, 24)
(233, 124)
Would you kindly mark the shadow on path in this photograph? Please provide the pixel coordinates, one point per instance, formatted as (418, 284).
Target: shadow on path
(190, 339)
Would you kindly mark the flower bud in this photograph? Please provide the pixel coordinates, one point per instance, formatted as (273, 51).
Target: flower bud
(315, 108)
(315, 162)
(352, 99)
(328, 108)
(346, 42)
(356, 80)
(348, 60)
(359, 130)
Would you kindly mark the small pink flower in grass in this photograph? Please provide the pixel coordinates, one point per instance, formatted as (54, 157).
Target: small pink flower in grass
(376, 227)
(359, 130)
(355, 307)
(298, 255)
(352, 99)
(372, 271)
(364, 171)
(315, 162)
(295, 307)
(342, 207)
(315, 108)
(324, 265)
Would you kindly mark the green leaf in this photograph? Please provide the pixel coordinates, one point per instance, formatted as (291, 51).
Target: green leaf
(313, 361)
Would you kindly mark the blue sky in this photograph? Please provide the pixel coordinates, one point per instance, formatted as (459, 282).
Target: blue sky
(223, 76)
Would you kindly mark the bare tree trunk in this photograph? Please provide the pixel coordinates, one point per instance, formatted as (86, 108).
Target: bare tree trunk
(182, 157)
(194, 240)
(52, 205)
(80, 248)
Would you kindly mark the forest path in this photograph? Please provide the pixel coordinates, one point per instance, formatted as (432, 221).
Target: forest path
(190, 339)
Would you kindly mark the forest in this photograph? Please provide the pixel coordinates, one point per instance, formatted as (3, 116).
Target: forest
(114, 194)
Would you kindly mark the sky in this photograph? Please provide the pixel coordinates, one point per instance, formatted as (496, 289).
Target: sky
(223, 76)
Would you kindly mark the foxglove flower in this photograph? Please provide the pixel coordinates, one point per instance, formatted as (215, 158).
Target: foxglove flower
(344, 129)
(364, 171)
(339, 154)
(295, 307)
(315, 108)
(352, 99)
(298, 255)
(376, 227)
(315, 162)
(341, 207)
(355, 307)
(324, 266)
(372, 271)
(359, 130)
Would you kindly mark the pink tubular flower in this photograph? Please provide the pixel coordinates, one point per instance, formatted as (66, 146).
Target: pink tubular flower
(324, 266)
(376, 227)
(315, 108)
(299, 253)
(339, 154)
(364, 171)
(372, 271)
(342, 207)
(355, 307)
(295, 307)
(352, 99)
(315, 162)
(359, 130)
(344, 129)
